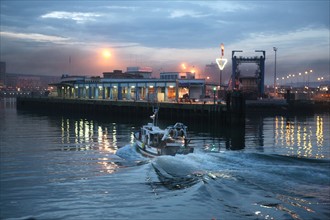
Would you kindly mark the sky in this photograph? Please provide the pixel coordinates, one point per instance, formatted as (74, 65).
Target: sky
(58, 37)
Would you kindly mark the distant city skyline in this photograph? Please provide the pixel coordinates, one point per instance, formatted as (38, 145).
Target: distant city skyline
(57, 37)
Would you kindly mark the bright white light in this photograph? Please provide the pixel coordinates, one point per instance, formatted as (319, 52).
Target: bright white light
(221, 63)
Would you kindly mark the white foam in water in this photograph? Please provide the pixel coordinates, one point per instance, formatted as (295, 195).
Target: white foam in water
(128, 152)
(196, 164)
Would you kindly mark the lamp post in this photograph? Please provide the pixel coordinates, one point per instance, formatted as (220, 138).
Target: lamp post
(275, 49)
(222, 46)
(214, 90)
(221, 63)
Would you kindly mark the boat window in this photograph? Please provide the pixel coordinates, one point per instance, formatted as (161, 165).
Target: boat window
(154, 139)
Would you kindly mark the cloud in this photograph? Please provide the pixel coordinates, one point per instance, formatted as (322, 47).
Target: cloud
(304, 42)
(186, 13)
(165, 33)
(35, 37)
(79, 17)
(298, 49)
(226, 6)
(132, 8)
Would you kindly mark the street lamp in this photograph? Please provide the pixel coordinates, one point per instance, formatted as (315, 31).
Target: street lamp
(310, 71)
(275, 49)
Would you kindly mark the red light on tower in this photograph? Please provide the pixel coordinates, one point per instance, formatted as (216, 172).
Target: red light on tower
(222, 49)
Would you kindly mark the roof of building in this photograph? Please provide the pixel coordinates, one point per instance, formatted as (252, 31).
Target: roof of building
(118, 74)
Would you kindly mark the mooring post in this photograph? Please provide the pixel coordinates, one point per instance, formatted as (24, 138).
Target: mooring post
(237, 107)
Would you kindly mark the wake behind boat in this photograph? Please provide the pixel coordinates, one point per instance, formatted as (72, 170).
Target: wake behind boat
(153, 141)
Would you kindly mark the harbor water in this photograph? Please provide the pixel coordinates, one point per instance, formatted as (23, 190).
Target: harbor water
(65, 166)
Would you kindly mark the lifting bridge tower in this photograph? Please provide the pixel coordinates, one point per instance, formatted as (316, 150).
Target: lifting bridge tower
(260, 73)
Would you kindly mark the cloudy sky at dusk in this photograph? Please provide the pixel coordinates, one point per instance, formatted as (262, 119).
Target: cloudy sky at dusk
(56, 37)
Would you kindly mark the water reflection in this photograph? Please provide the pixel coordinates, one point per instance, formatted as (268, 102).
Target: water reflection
(101, 141)
(298, 136)
(7, 103)
(86, 134)
(215, 137)
(301, 138)
(291, 135)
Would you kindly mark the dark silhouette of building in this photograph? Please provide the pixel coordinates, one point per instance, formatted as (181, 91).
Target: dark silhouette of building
(2, 74)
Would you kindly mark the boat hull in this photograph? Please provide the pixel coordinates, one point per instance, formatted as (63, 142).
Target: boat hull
(167, 149)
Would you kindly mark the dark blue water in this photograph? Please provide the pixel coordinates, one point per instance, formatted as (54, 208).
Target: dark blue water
(78, 167)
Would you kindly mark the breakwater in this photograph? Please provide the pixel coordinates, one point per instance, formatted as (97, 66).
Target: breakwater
(231, 112)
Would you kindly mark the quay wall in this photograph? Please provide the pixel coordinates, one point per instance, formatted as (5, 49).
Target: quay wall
(189, 111)
(280, 106)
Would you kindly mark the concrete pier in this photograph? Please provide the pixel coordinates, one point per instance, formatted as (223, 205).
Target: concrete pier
(189, 111)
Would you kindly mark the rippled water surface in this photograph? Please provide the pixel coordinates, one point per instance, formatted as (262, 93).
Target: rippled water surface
(78, 167)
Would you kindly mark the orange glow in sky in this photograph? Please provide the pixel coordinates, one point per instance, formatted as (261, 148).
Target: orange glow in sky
(106, 59)
(106, 53)
(183, 66)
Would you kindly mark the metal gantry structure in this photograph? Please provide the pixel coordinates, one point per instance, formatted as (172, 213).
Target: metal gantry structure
(260, 73)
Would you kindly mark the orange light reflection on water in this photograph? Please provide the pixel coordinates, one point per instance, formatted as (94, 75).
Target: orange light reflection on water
(86, 135)
(297, 137)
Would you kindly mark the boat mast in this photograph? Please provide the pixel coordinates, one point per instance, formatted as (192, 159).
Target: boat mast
(156, 110)
(154, 117)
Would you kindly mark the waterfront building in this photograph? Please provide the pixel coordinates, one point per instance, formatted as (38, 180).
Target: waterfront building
(212, 71)
(117, 85)
(177, 75)
(145, 72)
(118, 74)
(2, 74)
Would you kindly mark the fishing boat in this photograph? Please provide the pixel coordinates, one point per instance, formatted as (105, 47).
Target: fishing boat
(153, 141)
